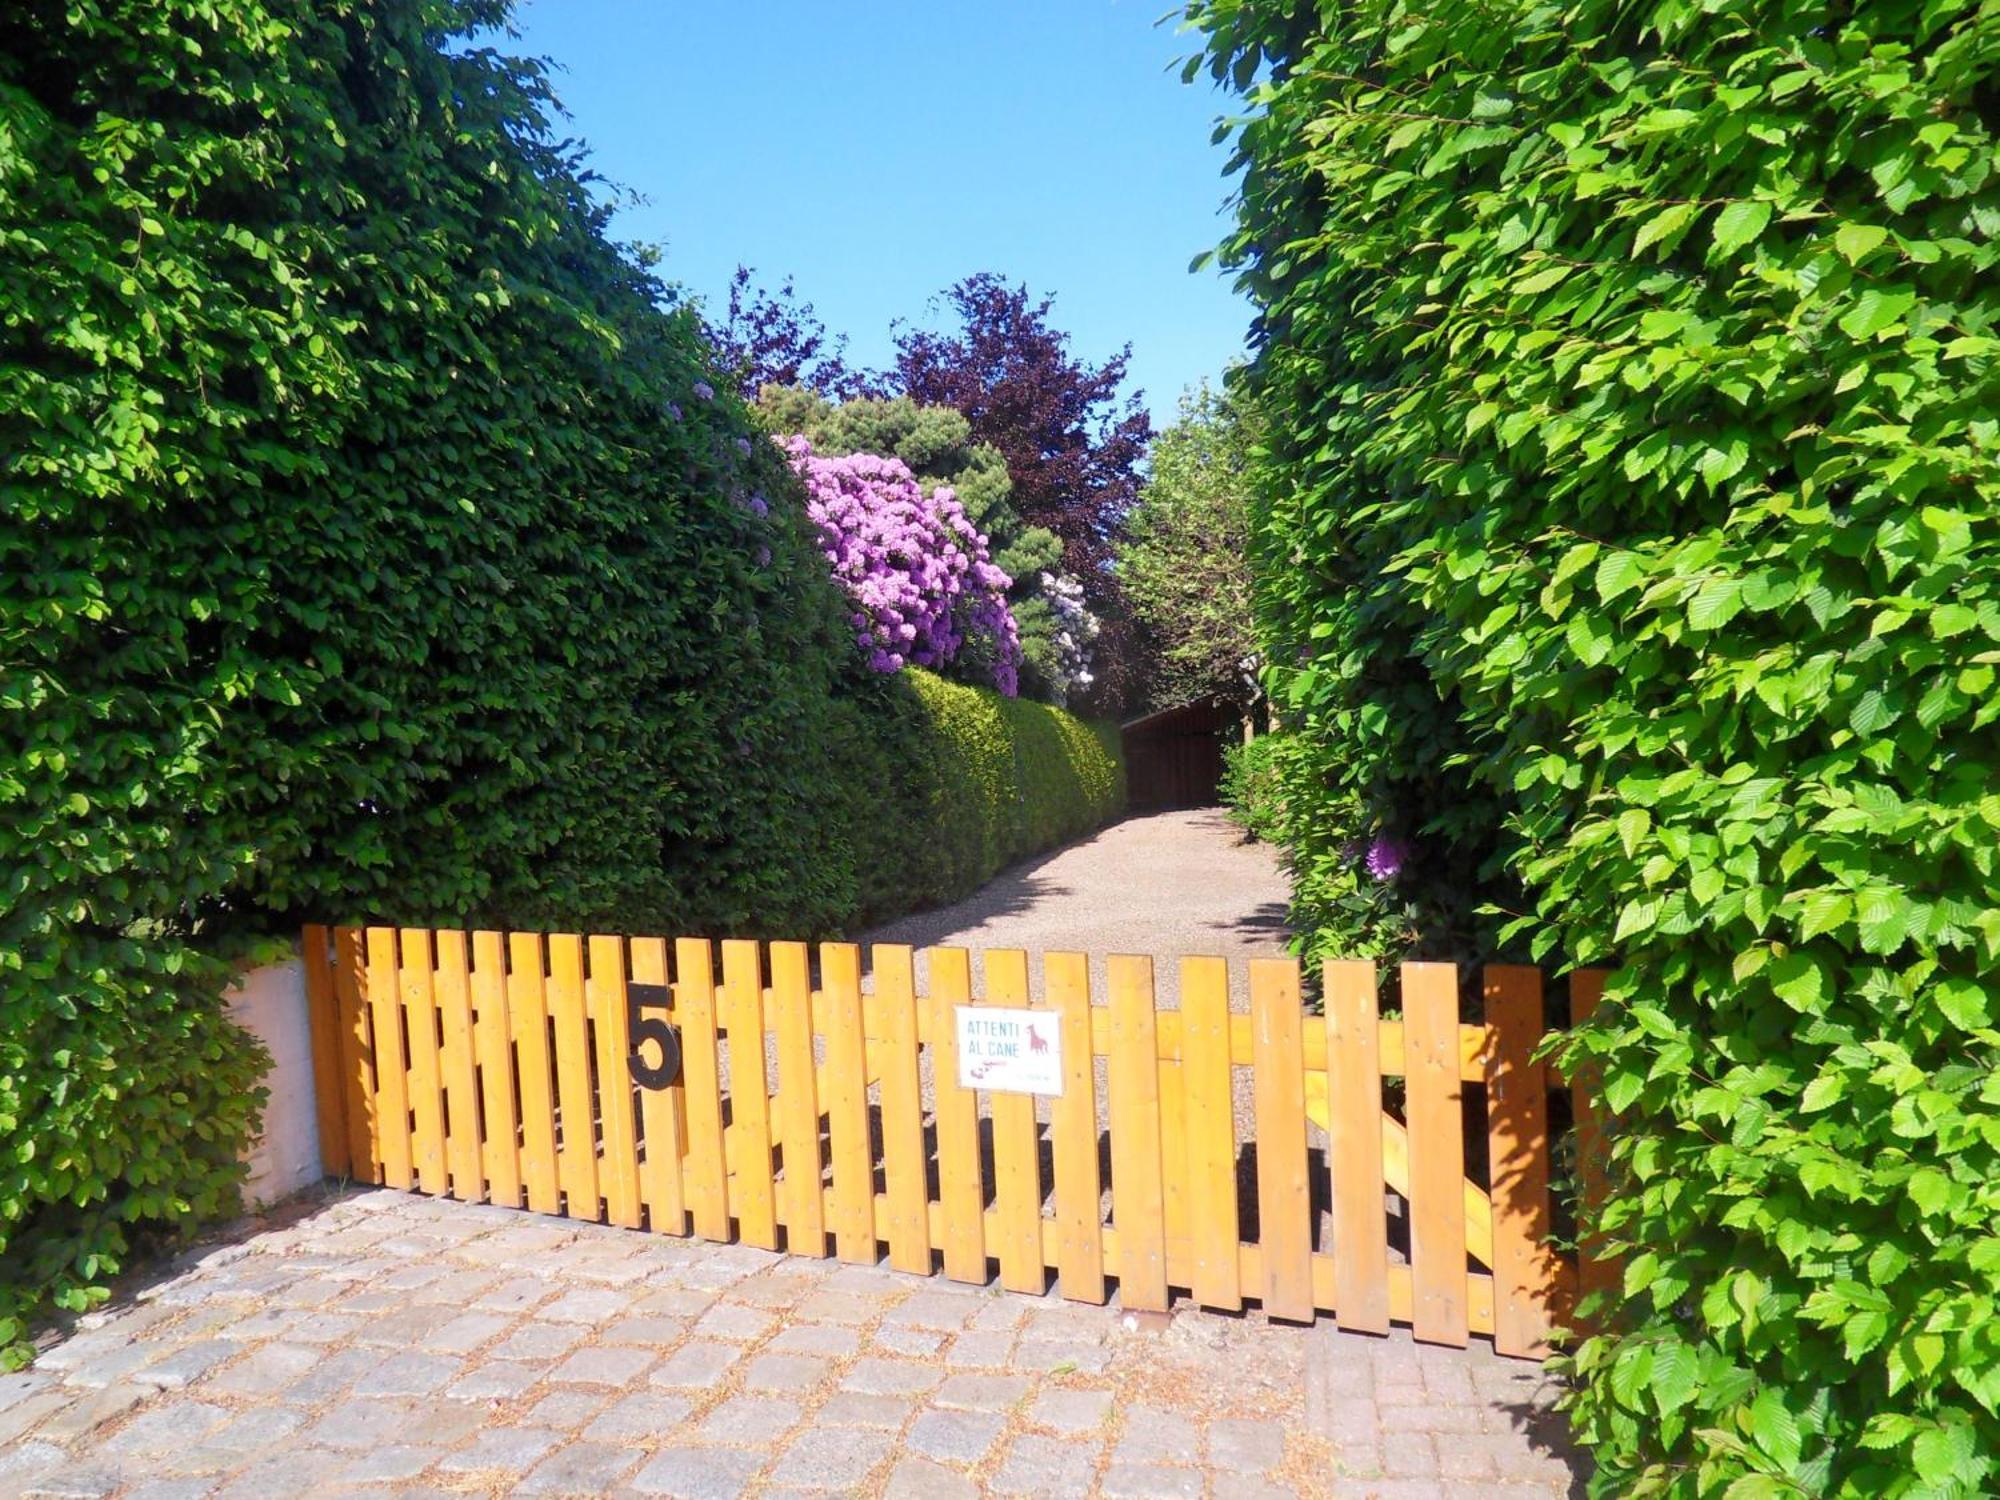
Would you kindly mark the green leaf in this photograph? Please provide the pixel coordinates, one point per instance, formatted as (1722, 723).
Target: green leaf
(1676, 1376)
(1856, 242)
(1739, 223)
(1875, 310)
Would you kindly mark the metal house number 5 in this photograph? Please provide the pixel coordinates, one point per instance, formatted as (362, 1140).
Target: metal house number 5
(644, 1028)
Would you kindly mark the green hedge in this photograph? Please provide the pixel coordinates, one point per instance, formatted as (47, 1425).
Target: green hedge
(372, 548)
(948, 784)
(1634, 519)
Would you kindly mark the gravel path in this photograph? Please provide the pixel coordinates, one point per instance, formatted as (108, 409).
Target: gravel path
(1168, 884)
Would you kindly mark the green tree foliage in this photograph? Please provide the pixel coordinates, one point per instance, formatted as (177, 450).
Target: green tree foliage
(936, 442)
(1633, 381)
(373, 546)
(1184, 558)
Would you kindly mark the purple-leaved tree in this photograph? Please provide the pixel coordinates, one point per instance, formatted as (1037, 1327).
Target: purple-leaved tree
(770, 337)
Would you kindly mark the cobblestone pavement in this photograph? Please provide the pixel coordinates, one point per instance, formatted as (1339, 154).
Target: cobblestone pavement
(381, 1343)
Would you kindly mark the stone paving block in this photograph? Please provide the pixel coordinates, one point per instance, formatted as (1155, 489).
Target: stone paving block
(1044, 1466)
(496, 1380)
(358, 1422)
(91, 1411)
(511, 1450)
(20, 1463)
(408, 1374)
(587, 1305)
(751, 1419)
(815, 1338)
(176, 1424)
(1152, 1435)
(858, 1409)
(734, 1321)
(1245, 1446)
(25, 1415)
(698, 1473)
(335, 1373)
(961, 1436)
(252, 1431)
(538, 1340)
(171, 1489)
(467, 1332)
(920, 1479)
(834, 1458)
(189, 1363)
(647, 1333)
(580, 1469)
(940, 1311)
(889, 1377)
(1408, 1455)
(913, 1343)
(641, 1416)
(850, 1308)
(1124, 1481)
(982, 1392)
(116, 1365)
(516, 1294)
(980, 1351)
(674, 1302)
(606, 1364)
(264, 1371)
(1001, 1314)
(1059, 1358)
(76, 1481)
(784, 1372)
(389, 1463)
(302, 1472)
(695, 1366)
(1072, 1411)
(569, 1407)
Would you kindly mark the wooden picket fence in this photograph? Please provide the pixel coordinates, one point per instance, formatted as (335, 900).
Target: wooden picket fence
(500, 1068)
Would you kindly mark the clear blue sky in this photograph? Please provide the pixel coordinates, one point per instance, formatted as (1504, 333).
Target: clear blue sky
(879, 150)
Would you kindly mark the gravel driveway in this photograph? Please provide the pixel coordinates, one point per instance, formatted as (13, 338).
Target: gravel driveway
(1169, 884)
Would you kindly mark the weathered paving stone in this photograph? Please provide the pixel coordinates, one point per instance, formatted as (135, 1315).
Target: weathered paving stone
(855, 1409)
(81, 1481)
(889, 1377)
(961, 1436)
(732, 1320)
(1042, 1466)
(1151, 1482)
(850, 1308)
(1153, 1436)
(517, 1294)
(1245, 1446)
(171, 1489)
(943, 1313)
(570, 1407)
(585, 1305)
(750, 1419)
(920, 1479)
(650, 1333)
(358, 1422)
(265, 1371)
(89, 1412)
(646, 1414)
(918, 1343)
(177, 1424)
(333, 1375)
(538, 1340)
(1071, 1411)
(832, 1458)
(467, 1332)
(699, 1473)
(608, 1365)
(389, 1463)
(695, 1366)
(495, 1380)
(251, 1432)
(815, 1338)
(784, 1372)
(512, 1450)
(982, 1392)
(408, 1374)
(980, 1351)
(580, 1469)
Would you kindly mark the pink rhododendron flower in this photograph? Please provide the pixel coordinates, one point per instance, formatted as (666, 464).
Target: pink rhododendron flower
(917, 569)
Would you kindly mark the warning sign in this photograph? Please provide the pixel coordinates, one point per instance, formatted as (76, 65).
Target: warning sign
(1012, 1051)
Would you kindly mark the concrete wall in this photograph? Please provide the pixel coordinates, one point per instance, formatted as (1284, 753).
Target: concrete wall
(270, 1002)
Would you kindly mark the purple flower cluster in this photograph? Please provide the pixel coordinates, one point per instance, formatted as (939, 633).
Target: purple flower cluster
(1385, 857)
(916, 568)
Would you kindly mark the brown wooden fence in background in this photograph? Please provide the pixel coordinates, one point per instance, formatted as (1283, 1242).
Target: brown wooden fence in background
(1242, 1157)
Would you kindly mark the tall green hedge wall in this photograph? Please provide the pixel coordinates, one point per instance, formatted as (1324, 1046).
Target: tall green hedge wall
(1633, 521)
(377, 542)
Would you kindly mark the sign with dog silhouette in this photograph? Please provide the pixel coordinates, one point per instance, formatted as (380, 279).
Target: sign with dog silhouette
(1011, 1051)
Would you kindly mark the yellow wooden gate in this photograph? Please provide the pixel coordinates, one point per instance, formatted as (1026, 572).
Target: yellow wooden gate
(1249, 1154)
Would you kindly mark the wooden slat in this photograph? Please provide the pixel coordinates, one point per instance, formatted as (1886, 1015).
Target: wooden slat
(660, 1115)
(528, 1013)
(459, 1067)
(961, 1188)
(1436, 1119)
(357, 1055)
(798, 1101)
(323, 1025)
(1211, 1132)
(1596, 1272)
(1524, 1267)
(1017, 1150)
(705, 1174)
(754, 1197)
(906, 1204)
(1073, 1135)
(847, 1105)
(576, 1098)
(1354, 1137)
(619, 1174)
(1137, 1195)
(493, 1043)
(392, 1069)
(1284, 1196)
(420, 1020)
